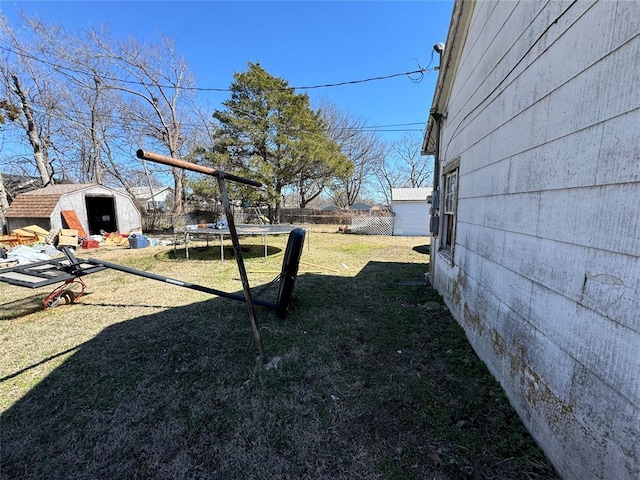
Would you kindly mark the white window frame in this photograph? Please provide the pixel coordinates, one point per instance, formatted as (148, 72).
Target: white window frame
(450, 183)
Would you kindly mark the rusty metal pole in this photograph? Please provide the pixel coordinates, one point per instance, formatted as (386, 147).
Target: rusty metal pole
(220, 176)
(253, 317)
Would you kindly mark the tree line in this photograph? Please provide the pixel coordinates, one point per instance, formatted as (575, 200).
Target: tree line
(75, 106)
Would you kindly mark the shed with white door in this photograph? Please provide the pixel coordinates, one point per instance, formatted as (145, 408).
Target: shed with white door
(410, 208)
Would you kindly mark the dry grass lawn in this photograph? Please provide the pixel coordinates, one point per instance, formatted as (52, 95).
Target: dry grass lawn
(142, 379)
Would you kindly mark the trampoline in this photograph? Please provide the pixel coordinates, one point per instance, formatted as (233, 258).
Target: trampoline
(241, 230)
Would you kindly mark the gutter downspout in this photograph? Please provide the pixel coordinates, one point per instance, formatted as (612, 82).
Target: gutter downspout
(434, 221)
(437, 117)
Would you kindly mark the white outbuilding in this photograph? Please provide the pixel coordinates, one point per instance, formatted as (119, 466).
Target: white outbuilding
(410, 208)
(94, 207)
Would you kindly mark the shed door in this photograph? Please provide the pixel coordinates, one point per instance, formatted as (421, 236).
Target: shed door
(101, 215)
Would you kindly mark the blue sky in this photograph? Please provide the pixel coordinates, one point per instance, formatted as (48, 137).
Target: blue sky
(306, 43)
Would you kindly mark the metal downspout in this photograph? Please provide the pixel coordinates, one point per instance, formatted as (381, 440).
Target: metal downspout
(436, 163)
(434, 222)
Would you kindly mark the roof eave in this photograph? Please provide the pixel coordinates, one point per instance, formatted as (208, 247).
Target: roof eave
(458, 28)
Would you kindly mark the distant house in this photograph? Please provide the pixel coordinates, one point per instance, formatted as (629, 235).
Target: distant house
(360, 207)
(410, 207)
(331, 208)
(534, 127)
(97, 208)
(150, 199)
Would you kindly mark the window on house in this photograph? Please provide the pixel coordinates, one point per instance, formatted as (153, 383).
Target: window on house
(450, 206)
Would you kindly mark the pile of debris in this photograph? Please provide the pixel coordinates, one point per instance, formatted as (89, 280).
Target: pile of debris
(24, 236)
(34, 244)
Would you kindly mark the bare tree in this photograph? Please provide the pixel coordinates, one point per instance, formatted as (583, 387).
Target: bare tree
(402, 167)
(25, 84)
(8, 113)
(321, 165)
(4, 203)
(87, 104)
(363, 148)
(413, 168)
(387, 176)
(156, 87)
(90, 141)
(203, 189)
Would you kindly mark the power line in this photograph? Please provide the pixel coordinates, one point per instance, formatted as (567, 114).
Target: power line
(81, 115)
(420, 71)
(18, 51)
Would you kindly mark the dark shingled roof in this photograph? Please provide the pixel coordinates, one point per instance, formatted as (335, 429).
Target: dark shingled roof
(32, 206)
(40, 203)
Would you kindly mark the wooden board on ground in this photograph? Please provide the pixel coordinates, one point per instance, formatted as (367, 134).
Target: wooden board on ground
(73, 221)
(10, 241)
(23, 233)
(39, 232)
(68, 237)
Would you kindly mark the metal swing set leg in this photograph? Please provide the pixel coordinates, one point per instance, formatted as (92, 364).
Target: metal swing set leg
(292, 254)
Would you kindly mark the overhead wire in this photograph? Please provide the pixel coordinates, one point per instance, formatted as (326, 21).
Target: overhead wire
(415, 76)
(420, 72)
(77, 120)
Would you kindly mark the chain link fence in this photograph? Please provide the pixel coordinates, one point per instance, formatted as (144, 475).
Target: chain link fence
(379, 225)
(376, 222)
(373, 222)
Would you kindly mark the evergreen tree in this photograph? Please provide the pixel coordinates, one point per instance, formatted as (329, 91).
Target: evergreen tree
(270, 133)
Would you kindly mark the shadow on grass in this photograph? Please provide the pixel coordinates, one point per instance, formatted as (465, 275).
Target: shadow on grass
(423, 249)
(21, 307)
(33, 303)
(371, 384)
(212, 252)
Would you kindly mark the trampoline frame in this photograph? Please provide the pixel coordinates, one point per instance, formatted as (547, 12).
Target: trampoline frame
(244, 229)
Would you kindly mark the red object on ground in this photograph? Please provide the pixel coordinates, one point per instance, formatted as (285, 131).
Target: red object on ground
(86, 244)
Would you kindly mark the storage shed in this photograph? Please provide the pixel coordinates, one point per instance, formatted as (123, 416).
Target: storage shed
(410, 207)
(96, 207)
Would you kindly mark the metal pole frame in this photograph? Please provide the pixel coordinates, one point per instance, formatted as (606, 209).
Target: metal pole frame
(220, 176)
(251, 308)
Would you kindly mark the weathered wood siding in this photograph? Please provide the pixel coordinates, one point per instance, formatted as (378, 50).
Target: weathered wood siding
(544, 114)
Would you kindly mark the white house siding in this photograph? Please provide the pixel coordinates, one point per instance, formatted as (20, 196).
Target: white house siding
(544, 114)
